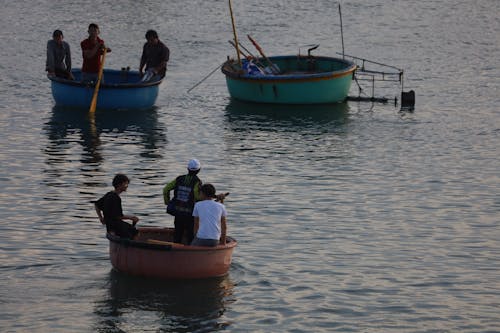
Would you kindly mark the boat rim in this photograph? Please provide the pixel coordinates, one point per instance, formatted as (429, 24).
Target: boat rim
(351, 67)
(169, 246)
(105, 85)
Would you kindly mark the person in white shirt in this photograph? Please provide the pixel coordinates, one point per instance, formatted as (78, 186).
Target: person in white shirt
(209, 219)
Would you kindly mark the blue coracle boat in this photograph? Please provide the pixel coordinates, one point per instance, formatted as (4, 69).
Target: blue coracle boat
(120, 89)
(293, 79)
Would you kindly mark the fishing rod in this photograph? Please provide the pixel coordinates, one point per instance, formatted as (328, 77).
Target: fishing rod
(206, 77)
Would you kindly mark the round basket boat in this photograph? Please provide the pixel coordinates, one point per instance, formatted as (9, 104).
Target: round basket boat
(153, 254)
(120, 89)
(294, 80)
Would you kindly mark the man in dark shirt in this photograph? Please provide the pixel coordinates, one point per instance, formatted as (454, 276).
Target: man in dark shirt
(155, 56)
(109, 210)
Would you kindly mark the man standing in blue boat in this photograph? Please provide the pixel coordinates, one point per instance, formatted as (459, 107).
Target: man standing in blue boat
(92, 49)
(155, 56)
(58, 57)
(186, 193)
(110, 212)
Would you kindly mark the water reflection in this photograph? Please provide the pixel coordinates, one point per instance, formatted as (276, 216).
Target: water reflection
(163, 305)
(243, 116)
(72, 125)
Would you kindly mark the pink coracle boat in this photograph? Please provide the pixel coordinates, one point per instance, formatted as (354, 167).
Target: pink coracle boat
(153, 254)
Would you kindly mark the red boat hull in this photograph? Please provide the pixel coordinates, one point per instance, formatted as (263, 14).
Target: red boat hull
(152, 254)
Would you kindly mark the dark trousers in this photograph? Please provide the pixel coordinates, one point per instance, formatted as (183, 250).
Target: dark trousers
(122, 229)
(184, 227)
(62, 73)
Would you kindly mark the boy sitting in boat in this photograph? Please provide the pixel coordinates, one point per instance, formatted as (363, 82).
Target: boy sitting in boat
(109, 210)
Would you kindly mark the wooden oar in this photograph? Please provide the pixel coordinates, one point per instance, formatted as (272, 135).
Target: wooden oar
(93, 104)
(171, 244)
(257, 63)
(234, 32)
(271, 65)
(341, 32)
(249, 54)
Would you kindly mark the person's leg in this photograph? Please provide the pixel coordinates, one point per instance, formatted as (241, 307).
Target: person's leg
(89, 77)
(204, 242)
(189, 229)
(126, 230)
(148, 75)
(64, 74)
(179, 229)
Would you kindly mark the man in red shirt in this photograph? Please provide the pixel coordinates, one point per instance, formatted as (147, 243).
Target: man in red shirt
(92, 49)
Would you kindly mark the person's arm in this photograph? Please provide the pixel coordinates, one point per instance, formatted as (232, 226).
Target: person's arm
(196, 224)
(50, 64)
(143, 60)
(166, 191)
(67, 58)
(197, 192)
(90, 53)
(223, 230)
(133, 218)
(98, 48)
(99, 213)
(163, 64)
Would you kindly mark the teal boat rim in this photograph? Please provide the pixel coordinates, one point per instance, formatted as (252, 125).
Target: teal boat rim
(350, 68)
(105, 85)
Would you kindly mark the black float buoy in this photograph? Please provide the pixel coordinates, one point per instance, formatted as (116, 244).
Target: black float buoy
(408, 99)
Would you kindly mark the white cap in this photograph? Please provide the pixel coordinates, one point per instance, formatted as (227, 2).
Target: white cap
(194, 165)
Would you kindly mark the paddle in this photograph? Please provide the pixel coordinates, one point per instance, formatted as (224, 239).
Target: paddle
(271, 65)
(93, 104)
(249, 55)
(171, 244)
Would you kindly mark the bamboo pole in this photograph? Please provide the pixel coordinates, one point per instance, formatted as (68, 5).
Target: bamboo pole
(235, 35)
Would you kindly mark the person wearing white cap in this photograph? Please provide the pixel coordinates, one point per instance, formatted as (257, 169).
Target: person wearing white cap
(186, 193)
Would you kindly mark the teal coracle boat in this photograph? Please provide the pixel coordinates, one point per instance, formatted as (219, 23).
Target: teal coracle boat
(291, 79)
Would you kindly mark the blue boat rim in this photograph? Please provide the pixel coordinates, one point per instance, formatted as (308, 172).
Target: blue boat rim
(105, 85)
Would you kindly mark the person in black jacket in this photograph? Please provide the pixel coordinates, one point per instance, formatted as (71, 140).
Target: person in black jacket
(186, 193)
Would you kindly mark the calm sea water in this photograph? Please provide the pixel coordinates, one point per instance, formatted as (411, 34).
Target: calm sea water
(350, 218)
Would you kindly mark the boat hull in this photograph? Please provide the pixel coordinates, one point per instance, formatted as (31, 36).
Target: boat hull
(152, 255)
(301, 81)
(119, 90)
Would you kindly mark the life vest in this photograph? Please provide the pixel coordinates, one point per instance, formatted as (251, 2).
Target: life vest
(184, 194)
